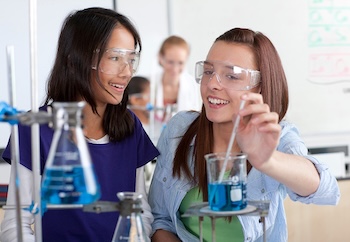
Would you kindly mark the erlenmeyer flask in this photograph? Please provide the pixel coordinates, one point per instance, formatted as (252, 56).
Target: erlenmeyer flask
(69, 177)
(130, 227)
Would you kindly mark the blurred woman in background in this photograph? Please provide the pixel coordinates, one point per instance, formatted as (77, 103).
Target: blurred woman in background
(175, 88)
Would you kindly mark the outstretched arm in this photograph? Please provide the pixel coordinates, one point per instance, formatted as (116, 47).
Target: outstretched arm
(259, 135)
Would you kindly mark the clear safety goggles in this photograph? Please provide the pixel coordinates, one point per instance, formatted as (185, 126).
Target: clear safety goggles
(115, 60)
(140, 95)
(229, 76)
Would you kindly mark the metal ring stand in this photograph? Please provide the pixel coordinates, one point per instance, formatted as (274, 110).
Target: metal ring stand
(261, 209)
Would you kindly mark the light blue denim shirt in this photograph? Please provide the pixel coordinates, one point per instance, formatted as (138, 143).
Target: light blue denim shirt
(167, 192)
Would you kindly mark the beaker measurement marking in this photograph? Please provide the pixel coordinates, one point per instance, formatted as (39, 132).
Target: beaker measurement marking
(65, 168)
(62, 187)
(71, 194)
(62, 179)
(67, 155)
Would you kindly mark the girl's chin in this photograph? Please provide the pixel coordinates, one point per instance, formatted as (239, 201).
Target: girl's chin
(217, 118)
(114, 102)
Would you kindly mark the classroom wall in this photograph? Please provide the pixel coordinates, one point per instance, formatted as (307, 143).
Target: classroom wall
(312, 38)
(313, 41)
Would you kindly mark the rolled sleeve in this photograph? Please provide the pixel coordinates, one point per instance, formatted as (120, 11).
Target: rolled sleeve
(327, 193)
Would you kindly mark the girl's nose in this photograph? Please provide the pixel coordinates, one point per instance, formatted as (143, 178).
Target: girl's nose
(214, 81)
(125, 69)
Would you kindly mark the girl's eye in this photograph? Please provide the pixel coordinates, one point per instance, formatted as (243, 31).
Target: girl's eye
(114, 58)
(232, 77)
(207, 72)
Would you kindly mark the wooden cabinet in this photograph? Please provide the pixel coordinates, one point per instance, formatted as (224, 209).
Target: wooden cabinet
(315, 223)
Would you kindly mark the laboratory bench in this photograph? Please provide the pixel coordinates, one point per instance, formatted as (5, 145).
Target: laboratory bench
(314, 223)
(320, 223)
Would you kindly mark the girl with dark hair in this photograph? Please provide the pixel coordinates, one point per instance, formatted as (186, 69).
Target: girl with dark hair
(139, 98)
(98, 52)
(241, 65)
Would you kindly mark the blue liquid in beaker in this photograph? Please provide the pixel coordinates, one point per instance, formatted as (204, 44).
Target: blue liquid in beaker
(68, 185)
(227, 196)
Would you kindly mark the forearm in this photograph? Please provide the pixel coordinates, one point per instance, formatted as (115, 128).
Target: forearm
(296, 172)
(164, 236)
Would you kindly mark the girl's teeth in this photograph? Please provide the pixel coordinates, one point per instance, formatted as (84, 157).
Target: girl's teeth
(116, 85)
(217, 101)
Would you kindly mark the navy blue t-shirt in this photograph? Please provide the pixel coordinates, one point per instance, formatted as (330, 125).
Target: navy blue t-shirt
(115, 166)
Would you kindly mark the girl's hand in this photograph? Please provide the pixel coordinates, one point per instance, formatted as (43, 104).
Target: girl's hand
(259, 132)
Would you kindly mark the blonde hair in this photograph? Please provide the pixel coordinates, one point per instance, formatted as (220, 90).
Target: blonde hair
(173, 41)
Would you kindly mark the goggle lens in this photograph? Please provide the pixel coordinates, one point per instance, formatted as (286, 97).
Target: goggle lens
(229, 76)
(115, 60)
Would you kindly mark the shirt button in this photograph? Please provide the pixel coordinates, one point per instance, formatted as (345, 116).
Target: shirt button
(164, 179)
(263, 190)
(249, 239)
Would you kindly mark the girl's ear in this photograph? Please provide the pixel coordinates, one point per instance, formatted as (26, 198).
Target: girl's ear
(160, 57)
(95, 59)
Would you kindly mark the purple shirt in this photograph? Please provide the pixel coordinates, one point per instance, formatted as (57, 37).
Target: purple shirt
(115, 166)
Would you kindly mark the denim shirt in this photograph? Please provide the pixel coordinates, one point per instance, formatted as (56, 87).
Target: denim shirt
(167, 192)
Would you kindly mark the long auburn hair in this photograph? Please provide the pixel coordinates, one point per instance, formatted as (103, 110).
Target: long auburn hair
(274, 90)
(83, 32)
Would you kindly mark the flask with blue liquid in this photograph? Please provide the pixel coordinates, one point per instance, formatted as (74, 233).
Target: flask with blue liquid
(69, 177)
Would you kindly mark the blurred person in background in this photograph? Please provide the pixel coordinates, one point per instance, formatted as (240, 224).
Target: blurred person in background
(139, 98)
(139, 103)
(175, 88)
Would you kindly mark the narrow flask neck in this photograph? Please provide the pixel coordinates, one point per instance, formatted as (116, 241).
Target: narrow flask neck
(67, 115)
(129, 206)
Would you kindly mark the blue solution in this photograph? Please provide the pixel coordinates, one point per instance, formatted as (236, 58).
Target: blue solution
(227, 196)
(66, 185)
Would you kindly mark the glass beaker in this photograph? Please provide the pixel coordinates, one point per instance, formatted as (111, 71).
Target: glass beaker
(230, 193)
(130, 227)
(69, 177)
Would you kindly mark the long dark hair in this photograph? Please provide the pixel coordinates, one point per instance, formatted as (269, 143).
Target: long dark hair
(274, 90)
(83, 32)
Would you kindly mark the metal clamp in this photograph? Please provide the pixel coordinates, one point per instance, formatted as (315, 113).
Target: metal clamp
(13, 116)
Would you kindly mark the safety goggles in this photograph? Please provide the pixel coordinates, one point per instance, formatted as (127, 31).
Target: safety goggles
(115, 60)
(229, 76)
(140, 95)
